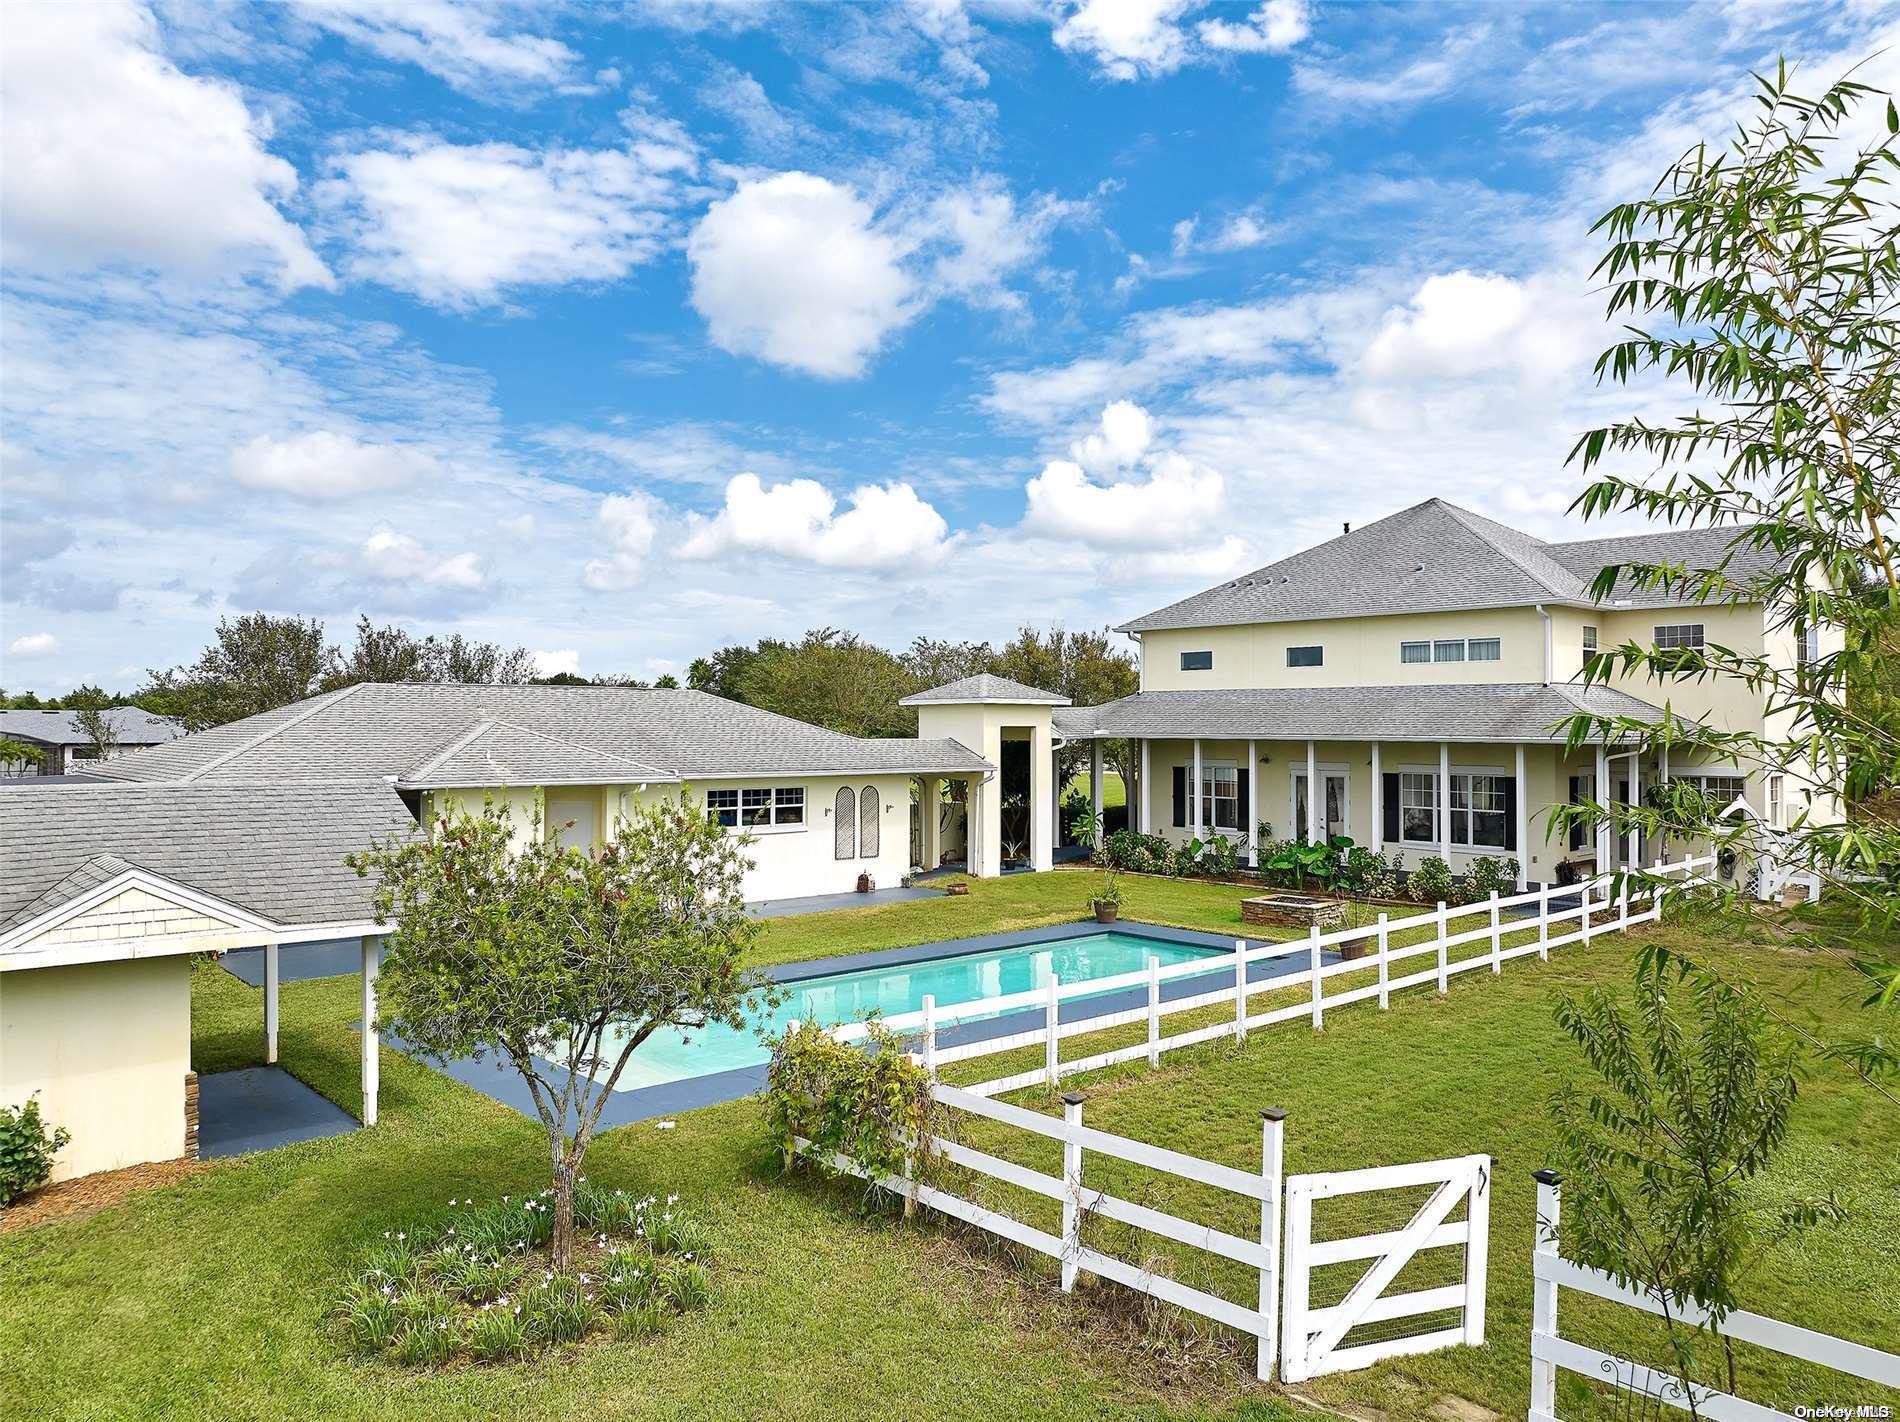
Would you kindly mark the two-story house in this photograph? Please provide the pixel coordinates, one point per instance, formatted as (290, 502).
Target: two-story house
(1405, 684)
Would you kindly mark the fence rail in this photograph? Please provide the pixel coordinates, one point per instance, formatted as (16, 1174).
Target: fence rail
(1603, 905)
(1551, 1353)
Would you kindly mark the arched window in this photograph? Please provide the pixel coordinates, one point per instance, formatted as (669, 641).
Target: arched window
(845, 824)
(869, 832)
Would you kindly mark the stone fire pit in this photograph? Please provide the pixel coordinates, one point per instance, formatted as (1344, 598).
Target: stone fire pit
(1293, 911)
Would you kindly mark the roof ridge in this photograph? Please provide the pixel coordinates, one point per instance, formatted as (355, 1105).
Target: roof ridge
(322, 702)
(1471, 521)
(489, 724)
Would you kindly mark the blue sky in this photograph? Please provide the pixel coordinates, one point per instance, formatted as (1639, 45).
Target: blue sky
(626, 332)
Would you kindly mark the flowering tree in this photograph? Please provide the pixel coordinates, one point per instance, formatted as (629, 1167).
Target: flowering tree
(561, 963)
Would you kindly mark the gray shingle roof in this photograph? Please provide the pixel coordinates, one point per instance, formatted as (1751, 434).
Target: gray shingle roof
(501, 753)
(380, 729)
(985, 687)
(136, 727)
(1695, 548)
(1434, 557)
(274, 850)
(1511, 712)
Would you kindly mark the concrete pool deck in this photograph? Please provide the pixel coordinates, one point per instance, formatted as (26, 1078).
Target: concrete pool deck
(261, 1108)
(496, 1078)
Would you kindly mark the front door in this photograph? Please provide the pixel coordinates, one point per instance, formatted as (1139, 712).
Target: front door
(1337, 803)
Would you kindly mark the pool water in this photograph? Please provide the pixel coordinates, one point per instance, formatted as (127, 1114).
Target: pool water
(848, 997)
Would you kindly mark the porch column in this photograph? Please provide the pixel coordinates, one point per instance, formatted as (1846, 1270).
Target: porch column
(1444, 799)
(1315, 798)
(1141, 791)
(1253, 804)
(1095, 790)
(270, 1003)
(1042, 799)
(1633, 841)
(930, 819)
(372, 1037)
(1602, 797)
(1194, 794)
(1522, 828)
(1057, 786)
(1378, 801)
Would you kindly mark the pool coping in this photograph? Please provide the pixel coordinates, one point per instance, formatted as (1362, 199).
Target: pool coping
(496, 1078)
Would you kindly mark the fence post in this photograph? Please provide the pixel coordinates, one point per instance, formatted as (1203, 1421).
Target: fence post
(1497, 943)
(1385, 997)
(1589, 892)
(1295, 1274)
(1543, 923)
(1272, 1162)
(930, 1035)
(1154, 1011)
(1071, 1188)
(1656, 890)
(1477, 1248)
(1240, 989)
(1319, 1011)
(1052, 1043)
(1444, 931)
(1623, 903)
(1544, 1293)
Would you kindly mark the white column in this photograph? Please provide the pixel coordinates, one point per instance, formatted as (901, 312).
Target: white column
(1633, 850)
(270, 1003)
(930, 814)
(1194, 794)
(1095, 790)
(1378, 801)
(1522, 828)
(372, 1037)
(1315, 800)
(1141, 791)
(1253, 804)
(1043, 791)
(1444, 799)
(1602, 797)
(1544, 1292)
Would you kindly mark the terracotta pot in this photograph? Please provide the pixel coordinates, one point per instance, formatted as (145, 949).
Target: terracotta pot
(1105, 913)
(957, 889)
(864, 883)
(1350, 951)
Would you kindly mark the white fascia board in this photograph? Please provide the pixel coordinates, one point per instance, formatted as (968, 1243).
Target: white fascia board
(240, 920)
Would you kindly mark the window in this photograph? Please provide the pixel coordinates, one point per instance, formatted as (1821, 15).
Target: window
(1197, 661)
(1720, 791)
(1774, 802)
(1449, 651)
(1589, 646)
(1220, 796)
(1483, 649)
(1480, 811)
(1807, 643)
(1678, 636)
(1415, 652)
(1306, 656)
(755, 809)
(1418, 807)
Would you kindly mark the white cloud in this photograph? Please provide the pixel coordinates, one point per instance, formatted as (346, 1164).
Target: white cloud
(34, 644)
(981, 236)
(742, 99)
(397, 558)
(565, 661)
(1173, 507)
(111, 154)
(323, 464)
(1127, 431)
(792, 269)
(887, 525)
(1460, 324)
(1274, 28)
(629, 522)
(462, 225)
(464, 45)
(1426, 76)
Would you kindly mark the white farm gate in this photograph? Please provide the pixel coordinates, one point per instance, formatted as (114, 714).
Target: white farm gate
(1315, 1340)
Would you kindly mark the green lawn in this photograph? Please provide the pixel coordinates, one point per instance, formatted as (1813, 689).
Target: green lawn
(206, 1299)
(1113, 791)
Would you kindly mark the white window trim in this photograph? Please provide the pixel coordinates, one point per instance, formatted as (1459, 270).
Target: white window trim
(1452, 846)
(1208, 766)
(765, 829)
(1432, 644)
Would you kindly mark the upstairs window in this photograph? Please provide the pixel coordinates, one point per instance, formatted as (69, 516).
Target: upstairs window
(1682, 644)
(1484, 649)
(1412, 652)
(1589, 646)
(1306, 656)
(1197, 661)
(1452, 650)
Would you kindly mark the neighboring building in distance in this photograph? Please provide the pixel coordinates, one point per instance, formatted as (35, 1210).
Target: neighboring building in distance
(63, 748)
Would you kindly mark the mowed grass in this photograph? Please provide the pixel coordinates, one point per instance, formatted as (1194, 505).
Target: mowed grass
(207, 1299)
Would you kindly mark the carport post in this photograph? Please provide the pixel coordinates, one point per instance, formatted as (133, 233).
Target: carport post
(372, 1063)
(270, 1004)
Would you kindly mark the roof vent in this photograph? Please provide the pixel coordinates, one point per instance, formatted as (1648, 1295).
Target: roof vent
(1418, 567)
(1346, 527)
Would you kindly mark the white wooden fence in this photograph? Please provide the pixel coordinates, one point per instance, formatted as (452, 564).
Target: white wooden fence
(1551, 1353)
(1496, 918)
(1313, 1337)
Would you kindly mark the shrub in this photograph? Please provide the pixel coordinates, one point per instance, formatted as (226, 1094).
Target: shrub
(1367, 872)
(1430, 883)
(1279, 863)
(1488, 872)
(1138, 853)
(27, 1149)
(1107, 891)
(867, 1102)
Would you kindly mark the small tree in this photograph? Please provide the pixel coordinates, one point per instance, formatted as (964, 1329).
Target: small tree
(92, 713)
(1690, 1101)
(14, 752)
(506, 942)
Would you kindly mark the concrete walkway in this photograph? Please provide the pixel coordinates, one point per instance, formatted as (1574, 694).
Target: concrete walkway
(260, 1108)
(825, 903)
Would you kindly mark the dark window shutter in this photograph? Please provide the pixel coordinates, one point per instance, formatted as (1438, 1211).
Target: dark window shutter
(1510, 815)
(1389, 802)
(1180, 797)
(1576, 798)
(1243, 805)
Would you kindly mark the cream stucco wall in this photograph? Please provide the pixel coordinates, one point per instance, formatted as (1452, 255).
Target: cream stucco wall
(983, 727)
(787, 862)
(107, 1046)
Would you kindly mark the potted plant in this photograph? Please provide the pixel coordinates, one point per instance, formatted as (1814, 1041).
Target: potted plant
(866, 883)
(1107, 899)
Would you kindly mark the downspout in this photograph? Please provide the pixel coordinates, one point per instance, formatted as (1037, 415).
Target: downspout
(1550, 635)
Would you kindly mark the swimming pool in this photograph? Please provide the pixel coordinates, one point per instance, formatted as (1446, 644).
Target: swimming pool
(898, 988)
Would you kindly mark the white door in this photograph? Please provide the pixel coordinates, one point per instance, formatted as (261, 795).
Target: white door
(1338, 802)
(571, 821)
